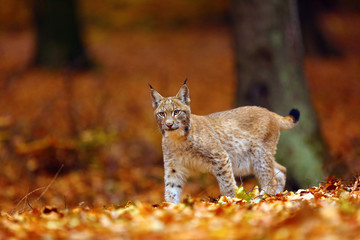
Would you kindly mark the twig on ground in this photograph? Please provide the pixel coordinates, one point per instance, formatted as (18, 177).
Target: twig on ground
(28, 203)
(25, 198)
(51, 182)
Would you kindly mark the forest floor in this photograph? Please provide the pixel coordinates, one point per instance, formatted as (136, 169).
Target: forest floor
(330, 211)
(103, 119)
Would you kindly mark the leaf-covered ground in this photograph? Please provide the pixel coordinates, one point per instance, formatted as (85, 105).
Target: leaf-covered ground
(330, 211)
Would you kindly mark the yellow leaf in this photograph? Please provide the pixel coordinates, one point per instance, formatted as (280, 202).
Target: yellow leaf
(242, 194)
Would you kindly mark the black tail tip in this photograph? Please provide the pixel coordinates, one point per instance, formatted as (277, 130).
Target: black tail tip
(295, 114)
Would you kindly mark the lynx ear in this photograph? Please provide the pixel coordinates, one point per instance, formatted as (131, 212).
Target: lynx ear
(183, 94)
(155, 96)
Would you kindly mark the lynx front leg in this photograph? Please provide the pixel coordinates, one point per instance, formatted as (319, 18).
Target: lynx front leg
(224, 175)
(175, 178)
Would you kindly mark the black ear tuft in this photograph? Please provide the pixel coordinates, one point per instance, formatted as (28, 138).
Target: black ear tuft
(295, 114)
(185, 81)
(150, 86)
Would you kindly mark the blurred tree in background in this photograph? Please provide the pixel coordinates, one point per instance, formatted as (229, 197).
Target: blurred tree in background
(269, 65)
(58, 35)
(315, 40)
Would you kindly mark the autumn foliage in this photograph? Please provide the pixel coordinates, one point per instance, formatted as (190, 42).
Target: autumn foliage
(328, 211)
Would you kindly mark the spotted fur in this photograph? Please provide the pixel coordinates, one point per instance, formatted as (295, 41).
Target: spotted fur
(236, 142)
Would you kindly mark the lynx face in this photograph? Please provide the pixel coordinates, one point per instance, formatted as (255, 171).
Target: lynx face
(172, 113)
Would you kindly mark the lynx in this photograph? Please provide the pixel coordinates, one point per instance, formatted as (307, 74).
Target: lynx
(237, 142)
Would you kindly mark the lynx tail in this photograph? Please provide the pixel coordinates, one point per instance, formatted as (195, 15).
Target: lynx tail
(289, 121)
(295, 114)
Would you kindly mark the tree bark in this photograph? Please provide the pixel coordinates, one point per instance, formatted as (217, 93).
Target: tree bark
(269, 67)
(58, 35)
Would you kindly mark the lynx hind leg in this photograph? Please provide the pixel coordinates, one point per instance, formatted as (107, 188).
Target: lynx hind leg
(280, 175)
(264, 171)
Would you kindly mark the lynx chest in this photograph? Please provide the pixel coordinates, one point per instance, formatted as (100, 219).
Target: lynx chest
(184, 153)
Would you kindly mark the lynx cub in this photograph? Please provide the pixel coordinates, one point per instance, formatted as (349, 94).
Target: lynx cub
(236, 142)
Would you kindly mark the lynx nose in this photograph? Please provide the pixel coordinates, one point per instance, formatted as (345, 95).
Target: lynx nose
(169, 125)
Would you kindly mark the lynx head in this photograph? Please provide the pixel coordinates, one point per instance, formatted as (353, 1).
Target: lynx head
(172, 113)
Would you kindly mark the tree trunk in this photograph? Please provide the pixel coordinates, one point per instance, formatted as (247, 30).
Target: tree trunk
(58, 35)
(315, 40)
(270, 74)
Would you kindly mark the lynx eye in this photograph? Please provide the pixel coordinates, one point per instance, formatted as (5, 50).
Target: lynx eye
(176, 112)
(161, 114)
